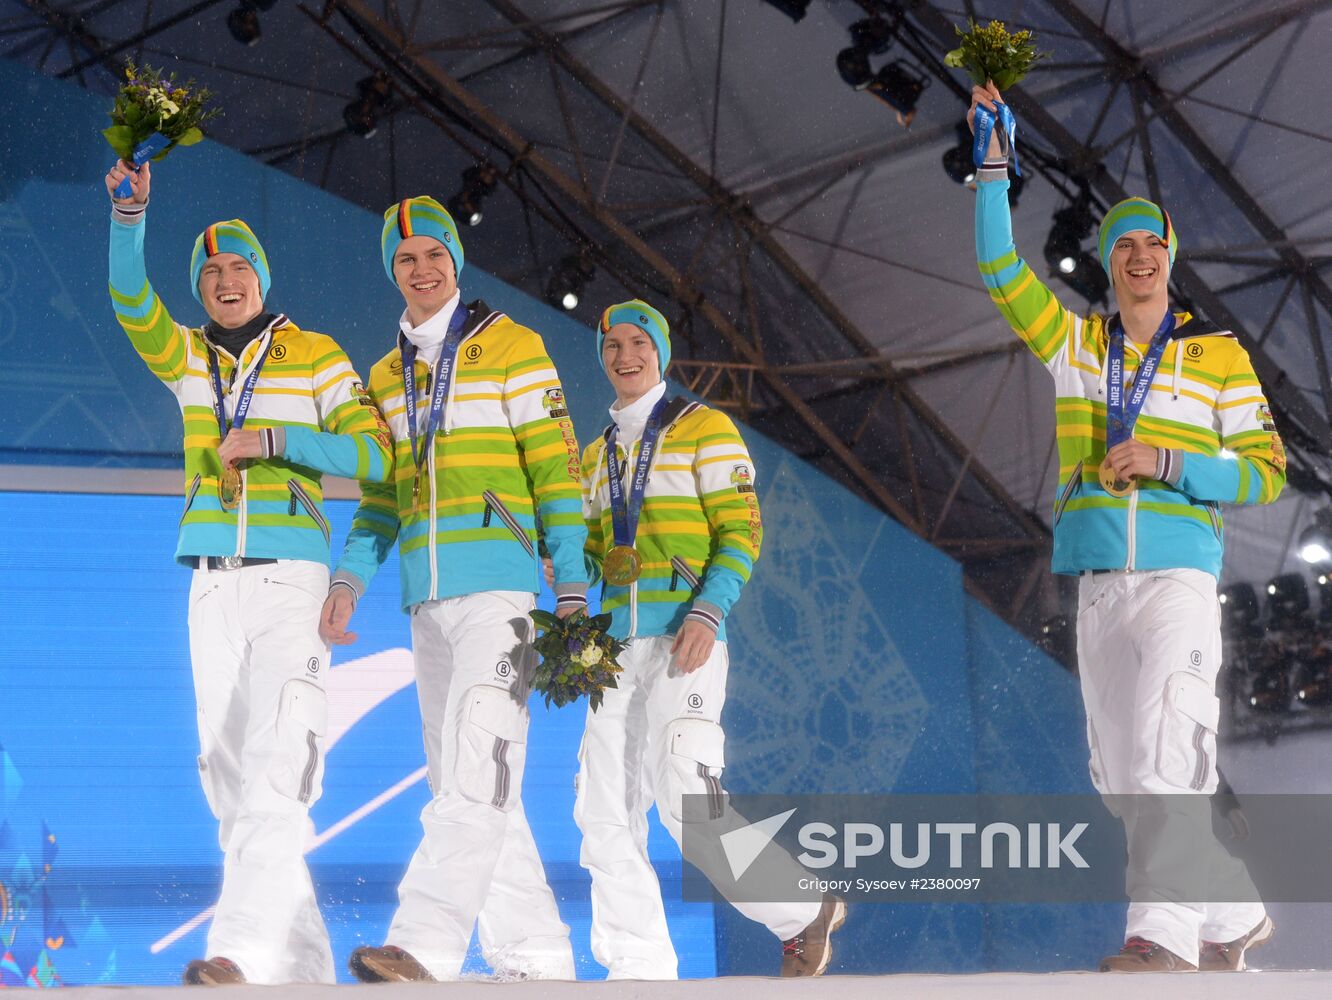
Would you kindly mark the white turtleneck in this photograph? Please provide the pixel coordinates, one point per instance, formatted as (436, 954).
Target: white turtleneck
(428, 338)
(630, 420)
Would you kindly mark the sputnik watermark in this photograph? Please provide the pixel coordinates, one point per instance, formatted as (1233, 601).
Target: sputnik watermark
(1006, 849)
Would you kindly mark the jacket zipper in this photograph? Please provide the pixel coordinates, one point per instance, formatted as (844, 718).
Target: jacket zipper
(242, 514)
(298, 493)
(680, 571)
(494, 503)
(189, 495)
(1132, 530)
(430, 520)
(1066, 494)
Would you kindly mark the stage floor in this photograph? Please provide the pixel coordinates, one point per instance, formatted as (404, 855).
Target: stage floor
(1268, 985)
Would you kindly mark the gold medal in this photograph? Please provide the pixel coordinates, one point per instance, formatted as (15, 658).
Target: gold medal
(229, 489)
(1111, 483)
(622, 566)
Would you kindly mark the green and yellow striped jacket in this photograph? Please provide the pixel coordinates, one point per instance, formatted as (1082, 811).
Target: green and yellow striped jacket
(307, 392)
(505, 452)
(1205, 405)
(699, 530)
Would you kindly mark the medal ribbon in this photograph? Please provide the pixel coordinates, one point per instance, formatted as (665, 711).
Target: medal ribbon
(443, 375)
(985, 122)
(1122, 414)
(624, 515)
(247, 391)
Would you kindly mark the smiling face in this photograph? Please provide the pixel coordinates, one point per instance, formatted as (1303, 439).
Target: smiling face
(230, 291)
(1140, 268)
(423, 269)
(631, 362)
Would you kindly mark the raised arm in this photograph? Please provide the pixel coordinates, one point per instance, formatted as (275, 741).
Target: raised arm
(161, 343)
(1032, 310)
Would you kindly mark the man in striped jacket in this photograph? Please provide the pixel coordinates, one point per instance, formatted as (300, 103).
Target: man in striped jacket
(1143, 468)
(484, 445)
(681, 471)
(267, 408)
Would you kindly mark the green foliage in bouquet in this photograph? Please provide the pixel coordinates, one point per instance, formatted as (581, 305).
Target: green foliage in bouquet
(577, 658)
(149, 103)
(992, 53)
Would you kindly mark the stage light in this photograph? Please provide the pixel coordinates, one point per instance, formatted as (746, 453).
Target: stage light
(1324, 598)
(872, 36)
(1087, 278)
(854, 67)
(243, 23)
(361, 115)
(567, 281)
(1270, 691)
(899, 86)
(1239, 609)
(1287, 599)
(957, 161)
(478, 182)
(794, 9)
(1072, 225)
(1058, 638)
(1316, 539)
(1315, 683)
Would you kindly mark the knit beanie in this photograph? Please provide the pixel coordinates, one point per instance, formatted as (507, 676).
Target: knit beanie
(638, 313)
(1134, 215)
(419, 216)
(232, 236)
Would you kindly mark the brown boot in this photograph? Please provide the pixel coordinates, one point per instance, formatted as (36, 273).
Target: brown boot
(388, 964)
(808, 953)
(1228, 956)
(215, 971)
(1141, 955)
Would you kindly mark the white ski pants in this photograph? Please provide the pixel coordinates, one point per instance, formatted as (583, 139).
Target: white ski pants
(1149, 648)
(655, 737)
(477, 862)
(259, 668)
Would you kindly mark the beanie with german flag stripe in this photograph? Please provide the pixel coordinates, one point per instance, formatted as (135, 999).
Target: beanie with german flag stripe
(232, 236)
(419, 216)
(1135, 215)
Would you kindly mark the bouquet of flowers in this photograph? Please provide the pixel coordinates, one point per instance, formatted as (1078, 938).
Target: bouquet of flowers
(577, 658)
(153, 115)
(992, 53)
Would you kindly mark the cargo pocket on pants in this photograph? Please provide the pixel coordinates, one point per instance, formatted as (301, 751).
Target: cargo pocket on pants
(697, 750)
(298, 770)
(491, 747)
(1186, 740)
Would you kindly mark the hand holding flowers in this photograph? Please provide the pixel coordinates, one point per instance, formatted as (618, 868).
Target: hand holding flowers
(578, 657)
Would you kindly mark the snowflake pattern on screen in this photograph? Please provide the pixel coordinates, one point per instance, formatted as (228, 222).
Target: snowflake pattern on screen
(788, 730)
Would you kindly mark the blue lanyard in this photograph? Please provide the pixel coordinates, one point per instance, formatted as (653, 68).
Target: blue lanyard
(247, 391)
(1121, 414)
(448, 353)
(624, 516)
(985, 122)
